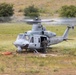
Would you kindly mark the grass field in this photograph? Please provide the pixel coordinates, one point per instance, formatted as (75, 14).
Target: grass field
(64, 63)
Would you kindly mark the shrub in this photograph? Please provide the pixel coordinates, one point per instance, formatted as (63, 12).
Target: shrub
(68, 11)
(6, 10)
(31, 11)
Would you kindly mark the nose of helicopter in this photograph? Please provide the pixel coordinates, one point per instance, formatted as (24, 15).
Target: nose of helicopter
(21, 43)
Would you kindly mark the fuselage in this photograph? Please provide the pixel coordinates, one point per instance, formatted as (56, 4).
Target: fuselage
(33, 40)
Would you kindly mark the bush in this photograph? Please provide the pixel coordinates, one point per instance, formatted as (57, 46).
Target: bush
(68, 11)
(6, 10)
(31, 11)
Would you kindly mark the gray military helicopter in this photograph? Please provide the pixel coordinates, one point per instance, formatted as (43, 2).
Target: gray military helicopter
(38, 39)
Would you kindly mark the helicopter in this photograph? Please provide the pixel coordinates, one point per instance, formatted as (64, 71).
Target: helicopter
(38, 38)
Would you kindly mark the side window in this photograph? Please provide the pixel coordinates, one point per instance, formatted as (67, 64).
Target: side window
(32, 39)
(39, 40)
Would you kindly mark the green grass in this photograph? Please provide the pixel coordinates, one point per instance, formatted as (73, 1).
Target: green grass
(30, 63)
(13, 28)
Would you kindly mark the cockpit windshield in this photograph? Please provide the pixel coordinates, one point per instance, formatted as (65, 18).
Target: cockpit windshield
(26, 37)
(20, 36)
(23, 36)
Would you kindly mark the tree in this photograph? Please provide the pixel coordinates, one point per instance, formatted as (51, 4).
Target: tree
(31, 11)
(68, 11)
(6, 10)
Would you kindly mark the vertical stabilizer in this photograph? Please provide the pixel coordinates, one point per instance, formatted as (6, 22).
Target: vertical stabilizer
(65, 35)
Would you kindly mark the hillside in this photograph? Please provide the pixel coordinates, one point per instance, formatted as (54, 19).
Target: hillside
(48, 7)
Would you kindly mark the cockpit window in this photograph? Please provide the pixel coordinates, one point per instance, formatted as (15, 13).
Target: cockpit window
(32, 39)
(26, 37)
(20, 36)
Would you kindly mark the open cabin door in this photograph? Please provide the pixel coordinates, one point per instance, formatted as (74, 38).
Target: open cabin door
(36, 41)
(43, 39)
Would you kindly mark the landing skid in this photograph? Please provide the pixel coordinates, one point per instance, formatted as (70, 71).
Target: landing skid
(35, 51)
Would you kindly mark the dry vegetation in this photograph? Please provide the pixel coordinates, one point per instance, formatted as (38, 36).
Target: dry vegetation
(29, 64)
(48, 7)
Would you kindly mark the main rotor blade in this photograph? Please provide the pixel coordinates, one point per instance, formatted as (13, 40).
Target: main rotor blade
(37, 21)
(52, 21)
(64, 21)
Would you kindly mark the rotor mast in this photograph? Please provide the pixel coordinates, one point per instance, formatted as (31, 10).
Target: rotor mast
(37, 26)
